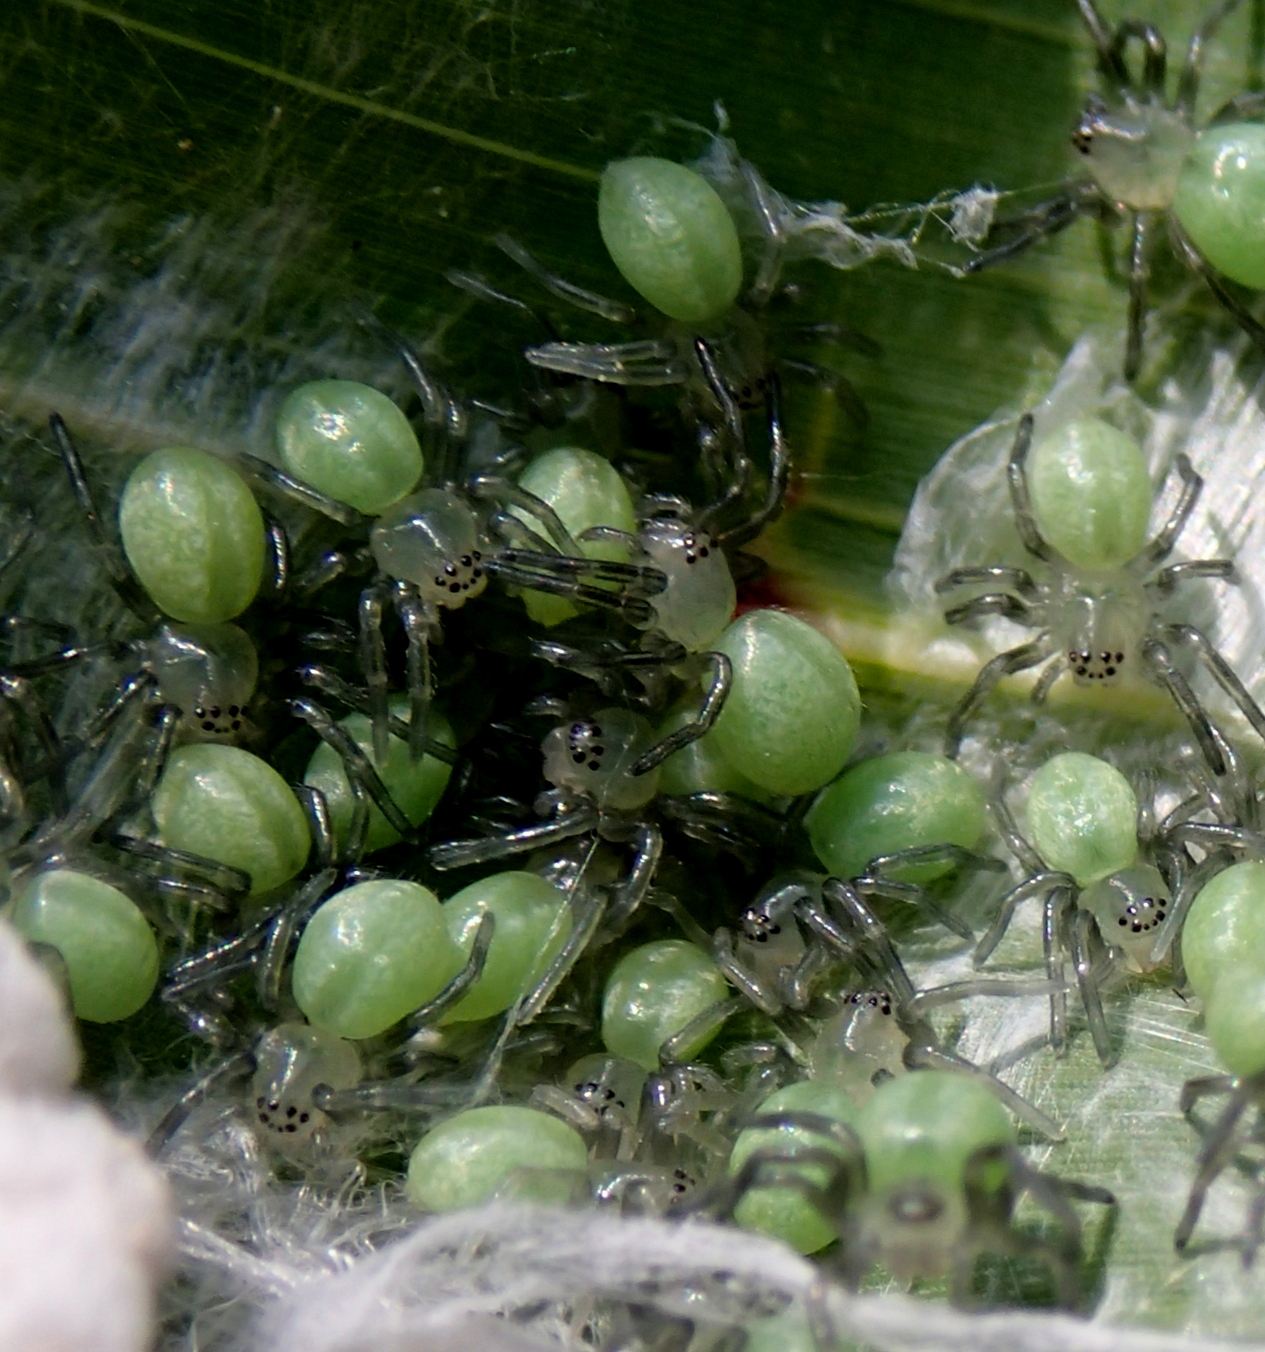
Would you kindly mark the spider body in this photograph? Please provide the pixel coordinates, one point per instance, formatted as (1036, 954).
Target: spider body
(1095, 593)
(1146, 160)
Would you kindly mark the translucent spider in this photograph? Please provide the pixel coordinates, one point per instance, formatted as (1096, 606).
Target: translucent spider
(1146, 162)
(358, 462)
(923, 1178)
(1082, 502)
(1221, 950)
(1109, 881)
(676, 243)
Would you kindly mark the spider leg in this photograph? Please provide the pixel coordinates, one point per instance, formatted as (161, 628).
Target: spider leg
(1082, 964)
(1188, 80)
(1077, 198)
(356, 765)
(280, 933)
(1160, 661)
(1004, 664)
(1225, 297)
(1154, 53)
(1241, 108)
(1020, 496)
(921, 1055)
(1048, 677)
(779, 472)
(631, 891)
(1052, 920)
(1100, 33)
(1017, 580)
(645, 362)
(841, 388)
(417, 624)
(109, 551)
(1221, 672)
(991, 603)
(1167, 580)
(1139, 277)
(373, 659)
(1215, 1154)
(260, 471)
(564, 290)
(699, 725)
(1041, 884)
(459, 853)
(1166, 537)
(428, 1013)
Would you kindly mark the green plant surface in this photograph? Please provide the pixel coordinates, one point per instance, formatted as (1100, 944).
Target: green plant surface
(194, 199)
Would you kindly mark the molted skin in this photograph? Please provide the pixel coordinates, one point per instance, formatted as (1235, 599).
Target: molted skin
(586, 490)
(785, 1212)
(894, 802)
(106, 945)
(370, 955)
(793, 710)
(193, 534)
(1220, 200)
(1091, 493)
(1225, 925)
(671, 236)
(470, 1157)
(416, 786)
(1082, 816)
(533, 920)
(350, 442)
(228, 805)
(652, 993)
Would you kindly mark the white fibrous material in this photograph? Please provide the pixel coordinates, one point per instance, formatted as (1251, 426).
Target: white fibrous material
(828, 232)
(84, 1231)
(514, 1279)
(39, 1052)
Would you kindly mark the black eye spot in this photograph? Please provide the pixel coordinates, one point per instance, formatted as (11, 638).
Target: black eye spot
(450, 570)
(704, 552)
(290, 1127)
(274, 1105)
(477, 574)
(578, 757)
(259, 1103)
(439, 582)
(466, 560)
(237, 725)
(476, 556)
(454, 587)
(208, 726)
(1111, 671)
(263, 1117)
(1119, 658)
(1122, 921)
(762, 938)
(199, 712)
(595, 765)
(305, 1117)
(292, 1111)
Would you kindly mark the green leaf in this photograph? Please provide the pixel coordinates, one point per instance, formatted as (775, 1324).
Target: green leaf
(194, 198)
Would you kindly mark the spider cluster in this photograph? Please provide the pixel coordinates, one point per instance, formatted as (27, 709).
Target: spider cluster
(435, 782)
